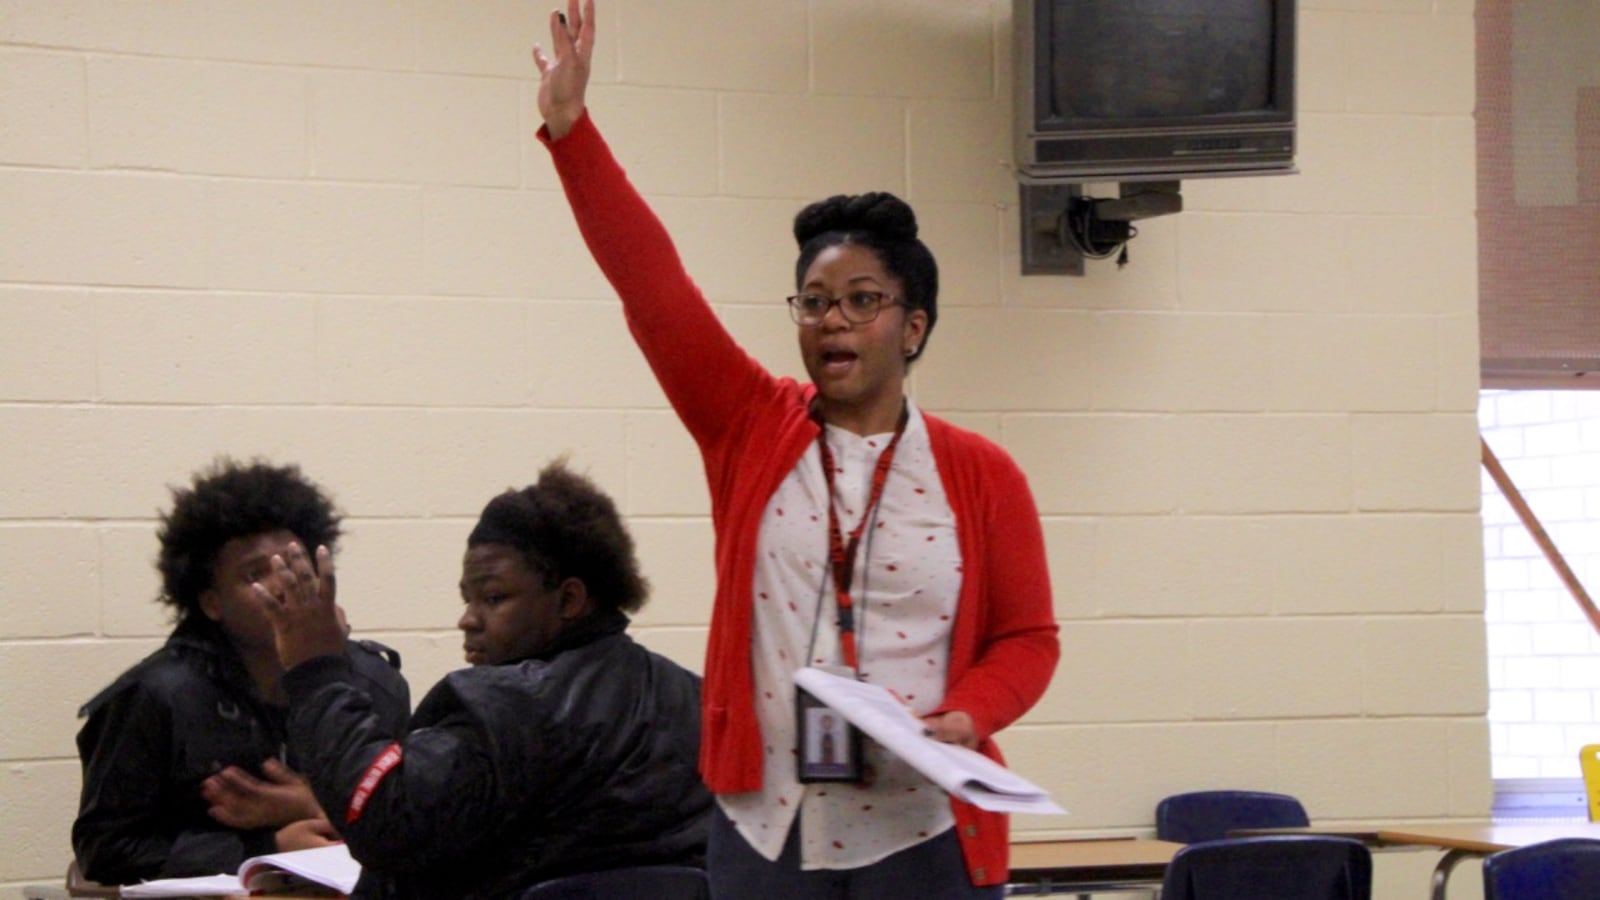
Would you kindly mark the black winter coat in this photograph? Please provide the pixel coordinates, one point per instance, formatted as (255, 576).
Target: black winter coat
(186, 712)
(581, 760)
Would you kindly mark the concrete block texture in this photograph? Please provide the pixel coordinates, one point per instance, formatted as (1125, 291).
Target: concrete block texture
(407, 128)
(302, 236)
(197, 116)
(32, 793)
(662, 135)
(161, 347)
(775, 149)
(60, 565)
(43, 333)
(176, 28)
(42, 110)
(416, 351)
(324, 233)
(366, 34)
(88, 228)
(692, 44)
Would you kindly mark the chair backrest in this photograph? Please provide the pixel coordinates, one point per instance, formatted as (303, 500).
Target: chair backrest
(1295, 867)
(635, 883)
(1562, 869)
(1589, 762)
(1210, 815)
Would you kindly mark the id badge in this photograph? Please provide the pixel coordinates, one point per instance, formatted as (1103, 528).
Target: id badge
(829, 746)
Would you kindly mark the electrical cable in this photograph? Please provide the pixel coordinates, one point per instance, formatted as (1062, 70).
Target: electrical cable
(1078, 223)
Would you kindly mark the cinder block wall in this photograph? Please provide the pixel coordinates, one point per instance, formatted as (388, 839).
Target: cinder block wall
(323, 233)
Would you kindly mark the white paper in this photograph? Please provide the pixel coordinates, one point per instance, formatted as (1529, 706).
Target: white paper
(200, 886)
(965, 773)
(330, 866)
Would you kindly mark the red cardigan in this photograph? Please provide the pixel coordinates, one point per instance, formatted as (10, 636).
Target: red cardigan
(752, 429)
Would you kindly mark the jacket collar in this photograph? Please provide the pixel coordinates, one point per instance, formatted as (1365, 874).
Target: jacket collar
(586, 630)
(200, 637)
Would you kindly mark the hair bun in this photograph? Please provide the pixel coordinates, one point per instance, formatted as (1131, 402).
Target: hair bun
(881, 213)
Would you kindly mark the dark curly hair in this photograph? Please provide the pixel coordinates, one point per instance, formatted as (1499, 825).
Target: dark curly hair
(884, 224)
(566, 527)
(232, 500)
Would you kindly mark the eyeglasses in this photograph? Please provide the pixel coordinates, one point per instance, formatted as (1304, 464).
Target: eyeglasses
(857, 307)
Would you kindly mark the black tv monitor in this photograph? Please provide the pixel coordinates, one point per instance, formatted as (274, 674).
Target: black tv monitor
(1141, 90)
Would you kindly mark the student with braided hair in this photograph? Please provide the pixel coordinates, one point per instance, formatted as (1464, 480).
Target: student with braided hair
(853, 530)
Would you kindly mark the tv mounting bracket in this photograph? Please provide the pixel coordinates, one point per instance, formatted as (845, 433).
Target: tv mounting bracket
(1061, 227)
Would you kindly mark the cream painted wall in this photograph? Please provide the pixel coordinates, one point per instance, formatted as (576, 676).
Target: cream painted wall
(322, 232)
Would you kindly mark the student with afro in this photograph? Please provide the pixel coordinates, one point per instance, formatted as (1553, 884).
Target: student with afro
(185, 764)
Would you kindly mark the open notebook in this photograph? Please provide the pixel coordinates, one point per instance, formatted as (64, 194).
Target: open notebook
(967, 774)
(329, 868)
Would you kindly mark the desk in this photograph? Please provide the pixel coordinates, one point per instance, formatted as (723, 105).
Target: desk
(1477, 839)
(1090, 866)
(1368, 836)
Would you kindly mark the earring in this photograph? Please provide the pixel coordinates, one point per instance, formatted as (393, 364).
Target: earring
(911, 351)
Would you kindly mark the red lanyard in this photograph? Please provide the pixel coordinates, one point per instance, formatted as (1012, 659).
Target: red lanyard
(842, 555)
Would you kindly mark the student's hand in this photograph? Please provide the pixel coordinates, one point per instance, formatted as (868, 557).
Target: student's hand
(306, 621)
(953, 727)
(306, 834)
(241, 800)
(564, 79)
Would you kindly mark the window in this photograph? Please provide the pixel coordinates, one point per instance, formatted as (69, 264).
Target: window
(1544, 656)
(1538, 136)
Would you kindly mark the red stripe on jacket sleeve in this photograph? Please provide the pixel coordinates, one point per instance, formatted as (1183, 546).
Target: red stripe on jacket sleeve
(388, 759)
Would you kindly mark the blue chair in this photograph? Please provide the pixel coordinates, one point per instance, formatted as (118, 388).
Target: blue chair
(1562, 869)
(1210, 815)
(634, 883)
(1295, 867)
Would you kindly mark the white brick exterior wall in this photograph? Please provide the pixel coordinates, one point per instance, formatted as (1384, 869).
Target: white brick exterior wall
(1544, 656)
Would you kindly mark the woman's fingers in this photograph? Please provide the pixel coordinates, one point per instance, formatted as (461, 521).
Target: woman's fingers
(953, 727)
(561, 33)
(583, 41)
(564, 71)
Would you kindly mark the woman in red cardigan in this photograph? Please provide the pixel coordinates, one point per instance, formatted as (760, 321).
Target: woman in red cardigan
(853, 532)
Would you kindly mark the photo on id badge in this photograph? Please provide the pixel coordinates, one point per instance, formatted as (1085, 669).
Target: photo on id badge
(830, 747)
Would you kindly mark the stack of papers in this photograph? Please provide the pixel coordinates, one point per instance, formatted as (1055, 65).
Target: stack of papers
(964, 773)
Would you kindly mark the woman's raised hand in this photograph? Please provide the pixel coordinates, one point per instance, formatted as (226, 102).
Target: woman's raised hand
(564, 79)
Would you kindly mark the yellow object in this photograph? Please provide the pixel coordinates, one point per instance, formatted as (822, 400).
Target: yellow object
(1589, 760)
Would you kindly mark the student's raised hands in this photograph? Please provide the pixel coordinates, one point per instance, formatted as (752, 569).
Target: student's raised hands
(306, 622)
(564, 78)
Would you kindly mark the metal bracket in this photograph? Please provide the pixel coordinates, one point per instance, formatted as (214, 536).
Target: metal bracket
(1046, 248)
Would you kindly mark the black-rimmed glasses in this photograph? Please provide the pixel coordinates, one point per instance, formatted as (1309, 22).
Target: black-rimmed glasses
(857, 307)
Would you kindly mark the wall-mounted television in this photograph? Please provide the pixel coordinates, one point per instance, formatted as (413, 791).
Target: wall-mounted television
(1139, 90)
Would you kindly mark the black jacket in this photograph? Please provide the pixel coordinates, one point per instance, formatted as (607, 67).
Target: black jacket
(184, 713)
(583, 759)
